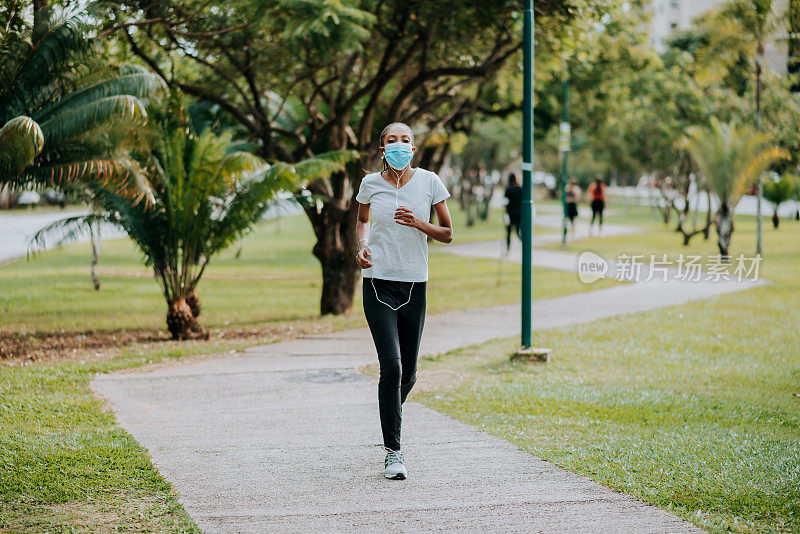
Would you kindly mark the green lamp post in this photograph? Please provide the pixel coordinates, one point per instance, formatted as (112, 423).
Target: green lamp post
(564, 146)
(525, 349)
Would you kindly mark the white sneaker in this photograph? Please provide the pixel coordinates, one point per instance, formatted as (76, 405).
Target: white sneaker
(395, 469)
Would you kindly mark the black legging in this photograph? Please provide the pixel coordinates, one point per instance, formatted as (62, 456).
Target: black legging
(396, 335)
(597, 211)
(514, 220)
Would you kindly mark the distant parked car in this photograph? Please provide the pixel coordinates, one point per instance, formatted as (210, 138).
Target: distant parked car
(53, 196)
(543, 178)
(28, 198)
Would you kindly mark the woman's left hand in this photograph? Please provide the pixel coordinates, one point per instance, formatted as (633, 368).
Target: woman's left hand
(405, 216)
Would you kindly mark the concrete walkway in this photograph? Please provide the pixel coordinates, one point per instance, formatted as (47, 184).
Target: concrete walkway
(286, 437)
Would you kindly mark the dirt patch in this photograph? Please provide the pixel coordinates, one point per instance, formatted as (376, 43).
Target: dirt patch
(17, 349)
(20, 348)
(208, 276)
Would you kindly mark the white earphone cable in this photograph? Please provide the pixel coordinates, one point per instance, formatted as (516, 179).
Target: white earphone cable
(390, 306)
(397, 242)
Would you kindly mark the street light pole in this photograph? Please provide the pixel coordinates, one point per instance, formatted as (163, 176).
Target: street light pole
(526, 351)
(527, 168)
(759, 188)
(564, 145)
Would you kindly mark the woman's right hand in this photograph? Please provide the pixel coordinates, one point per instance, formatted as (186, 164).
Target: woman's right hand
(361, 258)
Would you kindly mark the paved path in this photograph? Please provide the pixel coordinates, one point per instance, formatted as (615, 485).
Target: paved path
(286, 437)
(19, 227)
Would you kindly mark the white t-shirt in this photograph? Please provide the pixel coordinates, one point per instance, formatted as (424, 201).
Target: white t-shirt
(406, 257)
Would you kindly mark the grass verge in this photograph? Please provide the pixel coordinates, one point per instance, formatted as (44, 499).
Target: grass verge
(66, 465)
(690, 407)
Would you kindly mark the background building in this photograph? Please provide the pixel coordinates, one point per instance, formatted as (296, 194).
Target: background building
(671, 15)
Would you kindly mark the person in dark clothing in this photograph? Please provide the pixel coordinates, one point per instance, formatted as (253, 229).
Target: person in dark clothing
(573, 195)
(513, 194)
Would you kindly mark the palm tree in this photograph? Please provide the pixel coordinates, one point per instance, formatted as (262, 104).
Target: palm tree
(779, 191)
(205, 197)
(742, 28)
(66, 115)
(730, 158)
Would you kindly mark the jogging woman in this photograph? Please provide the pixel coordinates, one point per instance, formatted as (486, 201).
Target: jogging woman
(597, 196)
(393, 256)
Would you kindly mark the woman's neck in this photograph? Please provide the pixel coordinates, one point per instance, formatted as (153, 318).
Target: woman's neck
(404, 175)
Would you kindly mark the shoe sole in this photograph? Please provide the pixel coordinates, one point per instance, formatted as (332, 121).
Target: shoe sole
(398, 476)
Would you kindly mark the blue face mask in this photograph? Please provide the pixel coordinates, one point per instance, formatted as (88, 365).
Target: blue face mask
(398, 155)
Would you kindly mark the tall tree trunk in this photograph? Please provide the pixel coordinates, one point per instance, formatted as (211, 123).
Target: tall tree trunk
(37, 12)
(94, 235)
(194, 303)
(667, 212)
(759, 188)
(5, 196)
(683, 215)
(775, 220)
(724, 229)
(335, 229)
(340, 274)
(180, 321)
(707, 229)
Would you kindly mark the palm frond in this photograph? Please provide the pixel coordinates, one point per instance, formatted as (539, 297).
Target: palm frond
(324, 164)
(117, 109)
(242, 146)
(248, 204)
(13, 49)
(60, 38)
(21, 140)
(730, 157)
(235, 165)
(778, 192)
(63, 231)
(102, 140)
(121, 175)
(205, 196)
(754, 168)
(131, 80)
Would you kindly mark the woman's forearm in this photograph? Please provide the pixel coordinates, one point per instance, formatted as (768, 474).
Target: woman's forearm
(439, 233)
(362, 233)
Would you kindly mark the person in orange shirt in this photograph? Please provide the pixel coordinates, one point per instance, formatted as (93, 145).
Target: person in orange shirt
(597, 200)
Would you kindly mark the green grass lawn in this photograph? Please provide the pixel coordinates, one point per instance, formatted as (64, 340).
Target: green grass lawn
(275, 279)
(688, 407)
(65, 465)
